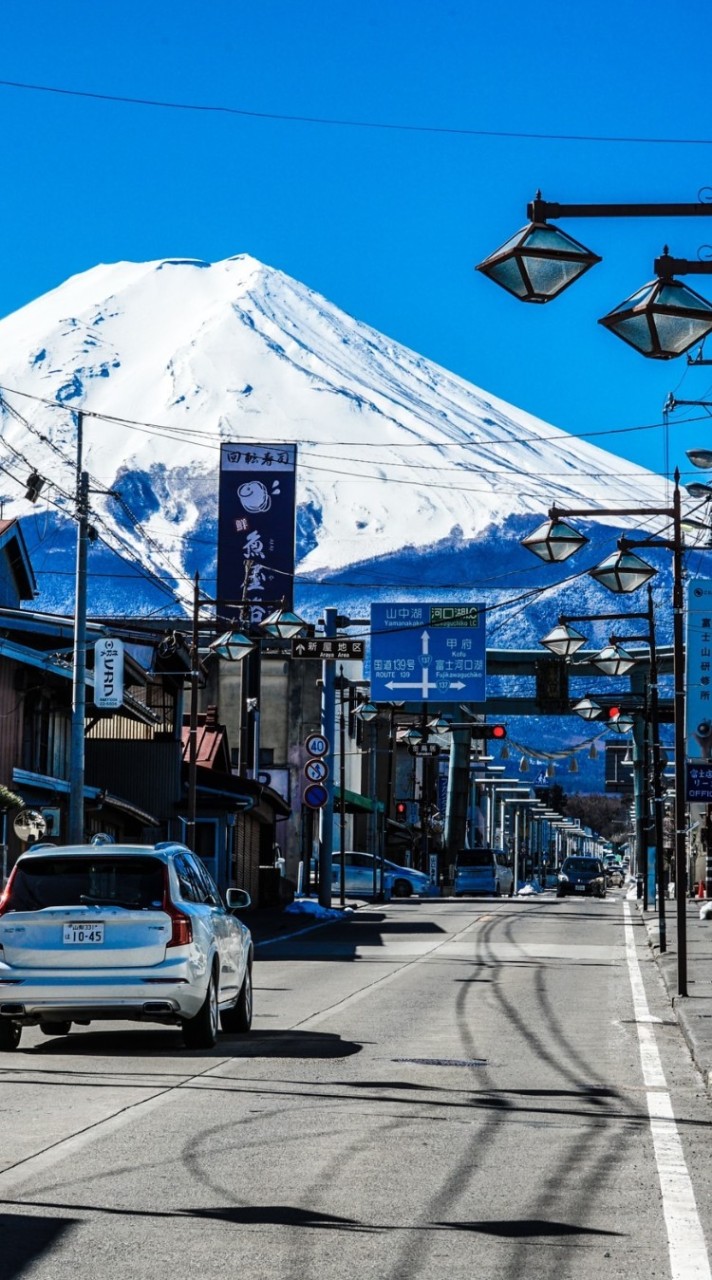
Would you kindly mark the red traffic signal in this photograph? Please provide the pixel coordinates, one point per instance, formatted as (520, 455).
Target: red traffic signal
(401, 810)
(497, 731)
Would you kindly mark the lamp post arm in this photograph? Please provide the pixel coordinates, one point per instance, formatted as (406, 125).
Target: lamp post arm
(665, 267)
(564, 618)
(539, 210)
(557, 513)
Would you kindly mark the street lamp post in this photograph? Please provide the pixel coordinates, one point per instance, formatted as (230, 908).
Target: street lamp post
(615, 661)
(625, 572)
(662, 320)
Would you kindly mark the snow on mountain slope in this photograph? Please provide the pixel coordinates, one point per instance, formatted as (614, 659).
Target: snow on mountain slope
(395, 453)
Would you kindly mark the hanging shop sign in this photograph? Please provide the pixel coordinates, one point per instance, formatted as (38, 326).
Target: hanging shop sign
(256, 515)
(109, 673)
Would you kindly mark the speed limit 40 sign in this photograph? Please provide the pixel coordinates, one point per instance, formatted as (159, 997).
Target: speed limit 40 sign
(316, 771)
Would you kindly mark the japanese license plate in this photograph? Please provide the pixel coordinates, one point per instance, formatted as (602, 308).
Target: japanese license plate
(75, 934)
(580, 888)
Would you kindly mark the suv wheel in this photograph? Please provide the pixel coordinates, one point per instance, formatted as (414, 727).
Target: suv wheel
(10, 1033)
(201, 1032)
(239, 1017)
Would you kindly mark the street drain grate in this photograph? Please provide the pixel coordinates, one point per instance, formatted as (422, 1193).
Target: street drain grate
(444, 1062)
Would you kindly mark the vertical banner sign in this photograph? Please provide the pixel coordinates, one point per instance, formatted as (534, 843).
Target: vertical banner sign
(109, 673)
(698, 690)
(256, 510)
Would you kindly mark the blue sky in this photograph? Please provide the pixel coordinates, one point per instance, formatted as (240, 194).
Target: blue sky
(386, 222)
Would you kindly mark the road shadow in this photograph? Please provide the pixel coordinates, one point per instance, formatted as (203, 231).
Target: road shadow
(168, 1043)
(26, 1237)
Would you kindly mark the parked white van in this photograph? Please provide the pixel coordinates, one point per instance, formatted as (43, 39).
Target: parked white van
(483, 871)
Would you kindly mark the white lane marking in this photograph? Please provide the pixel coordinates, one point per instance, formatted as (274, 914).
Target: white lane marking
(33, 1165)
(387, 978)
(686, 1241)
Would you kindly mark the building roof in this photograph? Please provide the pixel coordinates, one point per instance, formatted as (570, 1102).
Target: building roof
(12, 541)
(213, 751)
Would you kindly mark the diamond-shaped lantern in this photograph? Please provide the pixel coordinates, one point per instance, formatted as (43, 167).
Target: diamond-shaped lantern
(623, 572)
(588, 709)
(232, 646)
(555, 540)
(662, 320)
(538, 263)
(614, 660)
(563, 640)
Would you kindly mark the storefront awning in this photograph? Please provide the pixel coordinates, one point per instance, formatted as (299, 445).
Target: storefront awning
(354, 802)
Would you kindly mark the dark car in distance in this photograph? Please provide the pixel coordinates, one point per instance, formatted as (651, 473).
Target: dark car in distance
(582, 876)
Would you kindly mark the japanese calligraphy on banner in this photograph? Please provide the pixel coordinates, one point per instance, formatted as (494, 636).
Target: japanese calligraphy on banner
(698, 698)
(256, 509)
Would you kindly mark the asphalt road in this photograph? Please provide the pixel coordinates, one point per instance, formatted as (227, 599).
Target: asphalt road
(439, 1089)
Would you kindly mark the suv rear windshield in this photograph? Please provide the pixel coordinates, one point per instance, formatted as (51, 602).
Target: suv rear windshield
(84, 881)
(474, 858)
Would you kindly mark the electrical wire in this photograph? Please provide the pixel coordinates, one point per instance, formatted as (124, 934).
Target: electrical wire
(335, 122)
(207, 438)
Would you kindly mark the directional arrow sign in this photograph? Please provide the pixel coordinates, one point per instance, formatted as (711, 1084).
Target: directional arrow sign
(337, 649)
(429, 652)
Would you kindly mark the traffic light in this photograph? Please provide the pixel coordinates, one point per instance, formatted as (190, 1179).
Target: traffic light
(496, 731)
(35, 484)
(401, 810)
(552, 685)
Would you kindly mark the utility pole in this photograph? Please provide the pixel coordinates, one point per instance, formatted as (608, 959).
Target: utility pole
(79, 664)
(328, 710)
(193, 730)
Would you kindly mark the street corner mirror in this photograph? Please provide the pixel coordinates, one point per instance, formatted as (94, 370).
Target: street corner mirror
(238, 899)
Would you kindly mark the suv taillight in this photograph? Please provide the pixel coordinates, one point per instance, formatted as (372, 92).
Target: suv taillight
(181, 924)
(5, 896)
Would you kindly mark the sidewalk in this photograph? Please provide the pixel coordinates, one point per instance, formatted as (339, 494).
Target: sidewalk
(693, 1011)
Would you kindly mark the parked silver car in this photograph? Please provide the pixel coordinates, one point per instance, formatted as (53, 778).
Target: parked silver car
(91, 933)
(399, 882)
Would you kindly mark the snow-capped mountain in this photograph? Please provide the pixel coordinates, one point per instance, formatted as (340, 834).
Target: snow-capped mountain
(408, 476)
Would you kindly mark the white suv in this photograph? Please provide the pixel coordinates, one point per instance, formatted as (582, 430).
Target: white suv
(140, 932)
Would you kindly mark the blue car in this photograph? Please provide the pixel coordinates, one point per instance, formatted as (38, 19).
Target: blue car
(399, 882)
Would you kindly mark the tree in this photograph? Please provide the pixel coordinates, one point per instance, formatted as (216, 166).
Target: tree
(9, 799)
(602, 814)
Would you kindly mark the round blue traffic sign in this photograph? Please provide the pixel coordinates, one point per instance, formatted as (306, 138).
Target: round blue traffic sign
(315, 796)
(316, 770)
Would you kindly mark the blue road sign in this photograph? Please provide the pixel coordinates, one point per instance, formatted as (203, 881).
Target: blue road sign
(315, 795)
(428, 652)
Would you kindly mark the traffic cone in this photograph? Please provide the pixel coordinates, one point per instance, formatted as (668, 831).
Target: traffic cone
(701, 889)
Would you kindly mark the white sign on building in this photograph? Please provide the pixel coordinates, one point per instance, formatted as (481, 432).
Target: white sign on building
(109, 673)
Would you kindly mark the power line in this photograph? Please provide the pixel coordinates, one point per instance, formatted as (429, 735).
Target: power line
(335, 122)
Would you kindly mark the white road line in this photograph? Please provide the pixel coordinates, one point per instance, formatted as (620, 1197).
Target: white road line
(686, 1241)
